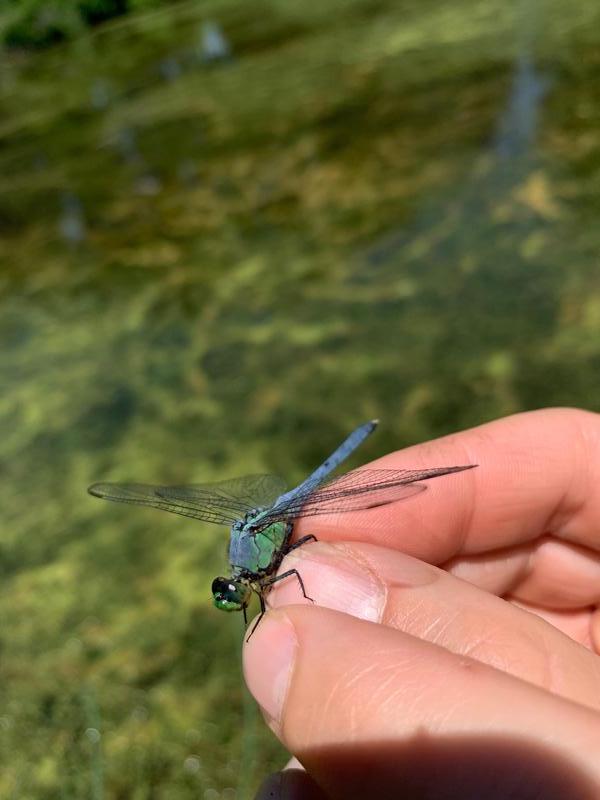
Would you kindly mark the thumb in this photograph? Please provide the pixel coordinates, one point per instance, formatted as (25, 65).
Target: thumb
(372, 711)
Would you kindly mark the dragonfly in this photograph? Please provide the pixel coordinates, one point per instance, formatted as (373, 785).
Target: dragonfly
(261, 513)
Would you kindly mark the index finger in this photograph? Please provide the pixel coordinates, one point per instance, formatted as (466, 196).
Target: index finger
(538, 473)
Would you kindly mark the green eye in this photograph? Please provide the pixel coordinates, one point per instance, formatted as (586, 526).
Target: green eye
(230, 595)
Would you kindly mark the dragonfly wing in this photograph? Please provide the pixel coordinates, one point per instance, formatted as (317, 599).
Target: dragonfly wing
(245, 493)
(361, 489)
(221, 503)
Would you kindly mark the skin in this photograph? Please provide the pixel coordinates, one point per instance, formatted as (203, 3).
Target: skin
(452, 650)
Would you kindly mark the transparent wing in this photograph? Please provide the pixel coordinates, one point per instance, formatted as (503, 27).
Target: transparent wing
(359, 490)
(221, 503)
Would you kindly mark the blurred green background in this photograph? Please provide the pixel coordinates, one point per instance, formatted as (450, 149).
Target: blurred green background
(231, 232)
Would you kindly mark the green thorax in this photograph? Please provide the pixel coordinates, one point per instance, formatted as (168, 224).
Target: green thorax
(257, 551)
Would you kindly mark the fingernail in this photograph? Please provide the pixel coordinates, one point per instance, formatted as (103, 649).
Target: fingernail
(268, 663)
(332, 580)
(349, 578)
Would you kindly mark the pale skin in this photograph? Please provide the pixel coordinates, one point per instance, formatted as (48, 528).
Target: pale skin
(452, 650)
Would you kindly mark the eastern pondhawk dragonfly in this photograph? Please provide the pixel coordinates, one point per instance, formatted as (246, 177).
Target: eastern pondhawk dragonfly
(262, 514)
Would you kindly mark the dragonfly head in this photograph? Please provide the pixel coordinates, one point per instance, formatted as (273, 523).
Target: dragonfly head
(230, 595)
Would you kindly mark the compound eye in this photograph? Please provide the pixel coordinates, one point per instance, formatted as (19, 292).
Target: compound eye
(223, 586)
(230, 595)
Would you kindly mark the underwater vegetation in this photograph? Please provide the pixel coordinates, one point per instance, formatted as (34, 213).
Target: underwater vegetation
(230, 232)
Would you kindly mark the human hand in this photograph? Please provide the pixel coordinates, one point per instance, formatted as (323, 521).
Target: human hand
(475, 678)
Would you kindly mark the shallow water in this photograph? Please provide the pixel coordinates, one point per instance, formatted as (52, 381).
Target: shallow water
(220, 265)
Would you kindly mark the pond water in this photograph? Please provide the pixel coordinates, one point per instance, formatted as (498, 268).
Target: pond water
(232, 232)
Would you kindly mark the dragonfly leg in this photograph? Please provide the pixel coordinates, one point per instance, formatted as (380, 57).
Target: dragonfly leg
(260, 616)
(300, 542)
(289, 574)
